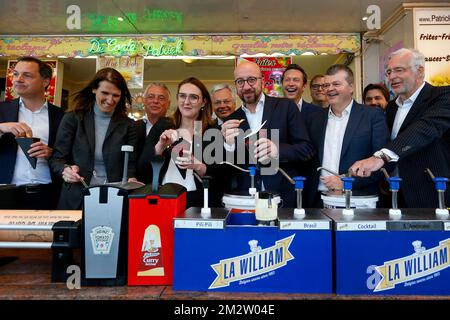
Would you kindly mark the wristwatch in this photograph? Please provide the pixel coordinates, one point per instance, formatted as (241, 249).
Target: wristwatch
(383, 156)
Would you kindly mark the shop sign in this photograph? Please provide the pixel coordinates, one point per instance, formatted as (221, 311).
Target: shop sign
(131, 68)
(432, 38)
(119, 47)
(185, 45)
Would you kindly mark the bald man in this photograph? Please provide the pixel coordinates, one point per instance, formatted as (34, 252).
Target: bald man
(282, 117)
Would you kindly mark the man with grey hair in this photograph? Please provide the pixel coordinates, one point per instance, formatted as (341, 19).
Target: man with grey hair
(156, 104)
(223, 101)
(419, 119)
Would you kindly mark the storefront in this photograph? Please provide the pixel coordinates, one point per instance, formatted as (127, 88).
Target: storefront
(170, 59)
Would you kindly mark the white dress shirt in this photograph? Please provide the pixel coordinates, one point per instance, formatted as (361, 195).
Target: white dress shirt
(148, 125)
(254, 122)
(254, 119)
(38, 122)
(400, 116)
(402, 112)
(334, 136)
(300, 104)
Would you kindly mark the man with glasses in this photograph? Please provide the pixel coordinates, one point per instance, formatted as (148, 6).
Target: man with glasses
(318, 95)
(156, 104)
(281, 118)
(419, 119)
(342, 134)
(294, 81)
(30, 116)
(223, 101)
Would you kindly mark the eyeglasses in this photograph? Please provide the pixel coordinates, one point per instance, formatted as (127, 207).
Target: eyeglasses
(317, 86)
(193, 98)
(219, 102)
(160, 98)
(397, 70)
(325, 86)
(250, 80)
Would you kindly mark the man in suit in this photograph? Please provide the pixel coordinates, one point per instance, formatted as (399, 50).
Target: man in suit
(294, 81)
(283, 123)
(156, 104)
(30, 116)
(343, 133)
(223, 101)
(419, 120)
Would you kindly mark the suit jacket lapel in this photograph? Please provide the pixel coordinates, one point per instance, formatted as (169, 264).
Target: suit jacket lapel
(417, 105)
(240, 114)
(142, 128)
(353, 122)
(52, 128)
(89, 129)
(12, 112)
(112, 126)
(269, 106)
(322, 126)
(391, 111)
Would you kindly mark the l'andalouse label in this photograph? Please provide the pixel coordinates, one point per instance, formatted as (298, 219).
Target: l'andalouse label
(257, 262)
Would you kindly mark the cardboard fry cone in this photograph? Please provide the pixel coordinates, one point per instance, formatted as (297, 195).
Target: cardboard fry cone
(25, 144)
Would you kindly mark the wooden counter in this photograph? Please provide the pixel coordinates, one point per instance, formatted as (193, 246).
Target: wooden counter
(29, 278)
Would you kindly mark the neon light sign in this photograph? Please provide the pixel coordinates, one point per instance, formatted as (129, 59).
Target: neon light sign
(114, 46)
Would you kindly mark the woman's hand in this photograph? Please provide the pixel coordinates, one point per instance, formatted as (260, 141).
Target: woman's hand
(70, 174)
(165, 140)
(135, 181)
(188, 161)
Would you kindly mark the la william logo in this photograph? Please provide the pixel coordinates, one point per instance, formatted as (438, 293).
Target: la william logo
(257, 262)
(422, 262)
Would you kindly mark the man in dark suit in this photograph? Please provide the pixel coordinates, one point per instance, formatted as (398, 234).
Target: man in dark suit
(283, 122)
(30, 116)
(419, 119)
(294, 81)
(156, 104)
(343, 133)
(148, 129)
